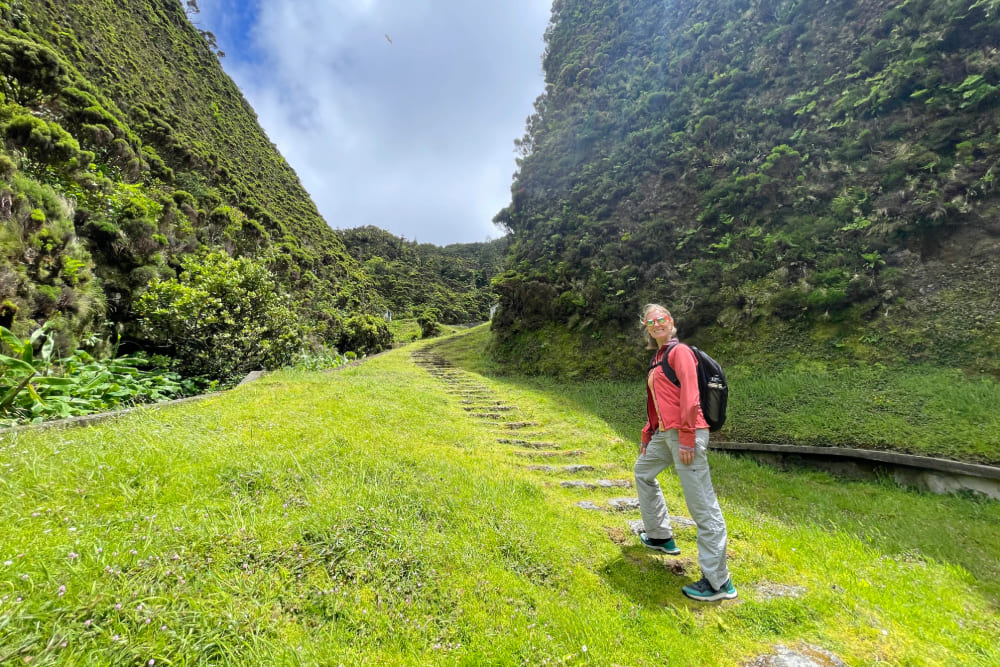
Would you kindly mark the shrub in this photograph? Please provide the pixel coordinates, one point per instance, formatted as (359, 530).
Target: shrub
(35, 387)
(7, 168)
(429, 321)
(44, 141)
(222, 318)
(30, 70)
(365, 334)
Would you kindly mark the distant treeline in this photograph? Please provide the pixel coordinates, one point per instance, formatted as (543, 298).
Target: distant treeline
(453, 281)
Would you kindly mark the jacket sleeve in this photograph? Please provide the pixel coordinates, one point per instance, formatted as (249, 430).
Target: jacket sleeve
(683, 362)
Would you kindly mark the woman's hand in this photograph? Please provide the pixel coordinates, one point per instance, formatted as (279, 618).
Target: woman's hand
(687, 455)
(642, 448)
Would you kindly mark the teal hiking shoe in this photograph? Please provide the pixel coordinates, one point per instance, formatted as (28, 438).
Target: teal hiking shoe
(667, 546)
(703, 591)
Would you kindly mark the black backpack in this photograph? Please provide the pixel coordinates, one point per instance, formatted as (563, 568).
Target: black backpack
(712, 388)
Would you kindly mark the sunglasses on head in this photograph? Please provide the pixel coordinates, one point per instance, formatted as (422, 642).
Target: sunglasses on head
(653, 321)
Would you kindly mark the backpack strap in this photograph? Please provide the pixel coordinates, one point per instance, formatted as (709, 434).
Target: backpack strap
(665, 365)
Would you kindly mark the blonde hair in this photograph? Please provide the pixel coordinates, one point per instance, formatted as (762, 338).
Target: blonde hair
(651, 343)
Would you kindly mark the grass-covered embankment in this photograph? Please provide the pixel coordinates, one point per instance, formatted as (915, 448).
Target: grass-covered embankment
(789, 391)
(917, 409)
(364, 517)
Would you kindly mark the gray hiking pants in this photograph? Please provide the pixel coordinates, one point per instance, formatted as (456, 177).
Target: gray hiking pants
(696, 482)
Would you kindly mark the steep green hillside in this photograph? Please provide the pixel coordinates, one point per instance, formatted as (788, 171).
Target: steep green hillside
(126, 152)
(454, 280)
(807, 174)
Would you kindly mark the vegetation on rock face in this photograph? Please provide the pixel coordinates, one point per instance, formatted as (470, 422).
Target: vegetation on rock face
(126, 155)
(821, 171)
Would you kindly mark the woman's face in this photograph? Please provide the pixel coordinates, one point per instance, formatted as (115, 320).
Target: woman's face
(662, 327)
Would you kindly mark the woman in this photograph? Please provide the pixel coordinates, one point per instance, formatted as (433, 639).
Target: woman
(676, 433)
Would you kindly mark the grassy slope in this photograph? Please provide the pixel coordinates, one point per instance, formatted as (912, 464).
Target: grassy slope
(362, 517)
(801, 393)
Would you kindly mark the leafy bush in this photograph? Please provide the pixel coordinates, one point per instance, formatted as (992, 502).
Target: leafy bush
(31, 70)
(45, 141)
(366, 334)
(46, 270)
(36, 388)
(222, 318)
(429, 321)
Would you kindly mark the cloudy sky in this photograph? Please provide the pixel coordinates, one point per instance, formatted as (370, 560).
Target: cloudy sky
(396, 113)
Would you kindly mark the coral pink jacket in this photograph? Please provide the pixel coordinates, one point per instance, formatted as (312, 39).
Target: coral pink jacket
(669, 406)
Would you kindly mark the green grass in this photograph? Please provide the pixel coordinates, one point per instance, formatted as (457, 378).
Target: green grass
(915, 408)
(918, 409)
(362, 516)
(406, 330)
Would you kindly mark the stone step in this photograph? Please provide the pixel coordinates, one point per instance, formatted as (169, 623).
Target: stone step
(534, 454)
(528, 443)
(615, 504)
(597, 484)
(487, 415)
(570, 468)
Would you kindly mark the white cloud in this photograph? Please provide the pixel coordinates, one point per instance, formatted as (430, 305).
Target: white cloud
(413, 135)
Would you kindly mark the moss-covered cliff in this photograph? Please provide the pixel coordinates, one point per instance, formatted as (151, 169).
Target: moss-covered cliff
(815, 173)
(126, 149)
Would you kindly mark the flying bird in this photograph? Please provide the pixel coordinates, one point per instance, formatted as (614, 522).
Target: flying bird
(387, 38)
